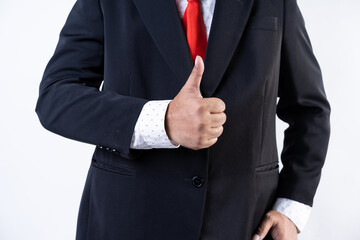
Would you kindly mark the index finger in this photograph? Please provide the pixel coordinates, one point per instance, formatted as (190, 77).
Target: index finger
(215, 105)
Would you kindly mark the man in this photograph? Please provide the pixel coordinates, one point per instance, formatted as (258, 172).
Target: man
(184, 150)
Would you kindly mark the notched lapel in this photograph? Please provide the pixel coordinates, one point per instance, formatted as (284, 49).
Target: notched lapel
(229, 20)
(164, 25)
(163, 22)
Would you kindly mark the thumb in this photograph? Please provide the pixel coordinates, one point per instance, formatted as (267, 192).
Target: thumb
(195, 77)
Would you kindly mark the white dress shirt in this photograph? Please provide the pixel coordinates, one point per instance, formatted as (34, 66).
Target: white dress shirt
(150, 131)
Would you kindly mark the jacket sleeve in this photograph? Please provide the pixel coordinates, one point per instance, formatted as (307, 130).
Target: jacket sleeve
(304, 106)
(70, 102)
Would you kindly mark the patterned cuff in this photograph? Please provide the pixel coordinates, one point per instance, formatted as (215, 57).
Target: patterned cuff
(297, 212)
(149, 130)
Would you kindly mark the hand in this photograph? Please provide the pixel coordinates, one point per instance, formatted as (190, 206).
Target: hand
(191, 120)
(281, 227)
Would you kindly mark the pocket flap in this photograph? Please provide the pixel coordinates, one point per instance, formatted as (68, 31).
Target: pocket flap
(263, 23)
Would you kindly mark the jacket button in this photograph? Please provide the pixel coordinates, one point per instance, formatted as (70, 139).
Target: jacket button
(197, 181)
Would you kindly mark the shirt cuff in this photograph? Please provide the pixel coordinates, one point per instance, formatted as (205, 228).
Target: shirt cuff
(297, 212)
(149, 131)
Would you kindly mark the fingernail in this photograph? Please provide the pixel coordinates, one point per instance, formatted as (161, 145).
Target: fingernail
(197, 59)
(256, 237)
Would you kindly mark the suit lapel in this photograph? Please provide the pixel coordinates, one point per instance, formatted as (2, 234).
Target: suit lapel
(163, 22)
(229, 20)
(164, 25)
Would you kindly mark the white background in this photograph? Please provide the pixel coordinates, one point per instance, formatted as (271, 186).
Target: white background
(42, 175)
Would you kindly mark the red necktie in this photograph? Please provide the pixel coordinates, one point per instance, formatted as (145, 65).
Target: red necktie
(195, 29)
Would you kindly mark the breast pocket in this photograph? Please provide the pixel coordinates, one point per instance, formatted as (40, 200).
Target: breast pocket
(262, 23)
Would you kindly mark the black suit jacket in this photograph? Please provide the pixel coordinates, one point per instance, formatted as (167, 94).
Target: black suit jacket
(258, 51)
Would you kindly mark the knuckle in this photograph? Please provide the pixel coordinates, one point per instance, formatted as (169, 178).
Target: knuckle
(211, 142)
(221, 130)
(201, 126)
(224, 117)
(268, 217)
(201, 109)
(200, 143)
(222, 105)
(219, 104)
(218, 131)
(196, 73)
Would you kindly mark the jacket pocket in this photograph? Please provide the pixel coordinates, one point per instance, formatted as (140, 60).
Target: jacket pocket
(267, 167)
(110, 168)
(114, 163)
(262, 23)
(266, 182)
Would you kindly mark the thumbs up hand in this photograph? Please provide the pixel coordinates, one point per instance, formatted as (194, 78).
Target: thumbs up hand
(191, 120)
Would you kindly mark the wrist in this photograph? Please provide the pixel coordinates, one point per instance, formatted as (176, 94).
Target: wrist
(297, 212)
(167, 122)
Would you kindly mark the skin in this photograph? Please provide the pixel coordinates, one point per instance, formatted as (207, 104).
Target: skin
(191, 120)
(278, 226)
(196, 123)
